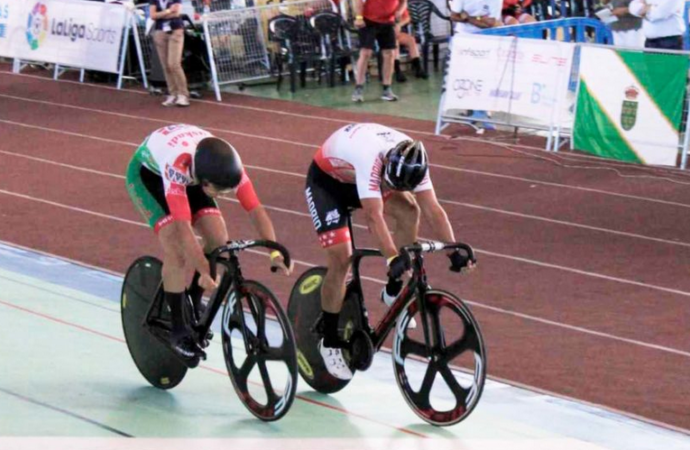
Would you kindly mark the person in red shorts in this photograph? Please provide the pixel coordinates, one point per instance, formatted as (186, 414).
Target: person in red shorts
(376, 21)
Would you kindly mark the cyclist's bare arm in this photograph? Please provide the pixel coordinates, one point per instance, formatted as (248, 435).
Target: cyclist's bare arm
(435, 215)
(373, 212)
(264, 227)
(192, 251)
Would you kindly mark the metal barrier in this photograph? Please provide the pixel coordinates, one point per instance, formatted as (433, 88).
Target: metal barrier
(237, 40)
(567, 30)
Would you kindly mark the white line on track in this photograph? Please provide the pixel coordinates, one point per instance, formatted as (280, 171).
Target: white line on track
(301, 176)
(314, 146)
(381, 282)
(312, 117)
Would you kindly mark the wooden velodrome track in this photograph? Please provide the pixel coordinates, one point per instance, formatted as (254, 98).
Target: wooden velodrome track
(582, 286)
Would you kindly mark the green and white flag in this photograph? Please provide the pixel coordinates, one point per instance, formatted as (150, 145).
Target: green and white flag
(629, 105)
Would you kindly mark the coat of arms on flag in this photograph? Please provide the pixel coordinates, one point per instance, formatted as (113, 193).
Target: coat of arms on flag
(629, 110)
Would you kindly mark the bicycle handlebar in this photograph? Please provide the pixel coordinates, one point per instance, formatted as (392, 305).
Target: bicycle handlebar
(421, 247)
(236, 246)
(436, 246)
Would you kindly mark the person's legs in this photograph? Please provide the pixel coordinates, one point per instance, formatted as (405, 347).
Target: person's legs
(411, 44)
(160, 40)
(399, 75)
(329, 202)
(367, 39)
(385, 35)
(177, 76)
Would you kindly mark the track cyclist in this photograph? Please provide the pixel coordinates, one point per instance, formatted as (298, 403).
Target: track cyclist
(381, 171)
(173, 179)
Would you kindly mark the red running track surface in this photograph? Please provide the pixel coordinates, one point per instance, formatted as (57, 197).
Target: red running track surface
(582, 286)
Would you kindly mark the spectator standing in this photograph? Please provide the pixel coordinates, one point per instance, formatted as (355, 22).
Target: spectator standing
(662, 22)
(474, 15)
(169, 40)
(627, 30)
(376, 21)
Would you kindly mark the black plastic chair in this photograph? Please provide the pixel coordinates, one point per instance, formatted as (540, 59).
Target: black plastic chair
(332, 30)
(297, 47)
(420, 18)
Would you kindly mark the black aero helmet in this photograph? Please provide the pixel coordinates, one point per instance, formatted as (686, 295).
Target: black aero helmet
(406, 165)
(217, 162)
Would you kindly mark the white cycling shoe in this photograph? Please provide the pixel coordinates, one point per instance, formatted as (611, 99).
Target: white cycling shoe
(334, 362)
(389, 300)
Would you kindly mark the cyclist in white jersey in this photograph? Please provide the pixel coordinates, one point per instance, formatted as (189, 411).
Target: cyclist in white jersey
(381, 171)
(173, 180)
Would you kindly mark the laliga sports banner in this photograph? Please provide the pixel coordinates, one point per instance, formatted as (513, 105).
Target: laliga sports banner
(525, 77)
(629, 105)
(72, 33)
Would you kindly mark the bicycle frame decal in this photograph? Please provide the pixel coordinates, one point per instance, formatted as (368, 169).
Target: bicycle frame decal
(310, 284)
(304, 365)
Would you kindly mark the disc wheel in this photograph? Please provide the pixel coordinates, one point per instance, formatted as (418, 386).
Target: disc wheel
(259, 353)
(154, 359)
(441, 382)
(304, 309)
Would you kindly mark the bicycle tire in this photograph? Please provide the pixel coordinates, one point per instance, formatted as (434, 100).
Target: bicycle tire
(251, 303)
(304, 309)
(153, 358)
(440, 361)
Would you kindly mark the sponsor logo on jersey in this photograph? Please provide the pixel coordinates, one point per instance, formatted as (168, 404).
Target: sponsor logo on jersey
(176, 176)
(332, 217)
(375, 180)
(312, 209)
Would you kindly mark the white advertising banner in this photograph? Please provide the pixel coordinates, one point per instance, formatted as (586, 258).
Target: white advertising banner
(525, 77)
(9, 25)
(72, 33)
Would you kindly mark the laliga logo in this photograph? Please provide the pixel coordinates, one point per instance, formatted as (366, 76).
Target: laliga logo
(37, 28)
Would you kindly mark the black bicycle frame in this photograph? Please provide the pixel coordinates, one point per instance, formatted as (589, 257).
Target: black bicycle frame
(232, 278)
(417, 284)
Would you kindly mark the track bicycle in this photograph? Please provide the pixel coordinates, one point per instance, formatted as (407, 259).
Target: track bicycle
(449, 343)
(256, 334)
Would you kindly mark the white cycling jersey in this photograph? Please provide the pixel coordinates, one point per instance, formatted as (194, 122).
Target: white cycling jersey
(354, 154)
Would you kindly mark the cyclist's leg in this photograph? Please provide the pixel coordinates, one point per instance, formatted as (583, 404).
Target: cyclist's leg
(145, 188)
(329, 203)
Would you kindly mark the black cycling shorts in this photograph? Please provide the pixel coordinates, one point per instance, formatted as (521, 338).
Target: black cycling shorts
(384, 33)
(147, 192)
(330, 203)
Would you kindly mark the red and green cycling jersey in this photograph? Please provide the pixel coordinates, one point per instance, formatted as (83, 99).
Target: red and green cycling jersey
(169, 153)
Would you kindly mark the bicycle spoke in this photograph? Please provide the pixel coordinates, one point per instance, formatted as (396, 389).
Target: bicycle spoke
(263, 370)
(459, 392)
(428, 382)
(410, 346)
(467, 342)
(247, 366)
(273, 354)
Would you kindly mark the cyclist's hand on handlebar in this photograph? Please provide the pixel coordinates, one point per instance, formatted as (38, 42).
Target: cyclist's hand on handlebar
(278, 263)
(398, 265)
(208, 283)
(459, 262)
